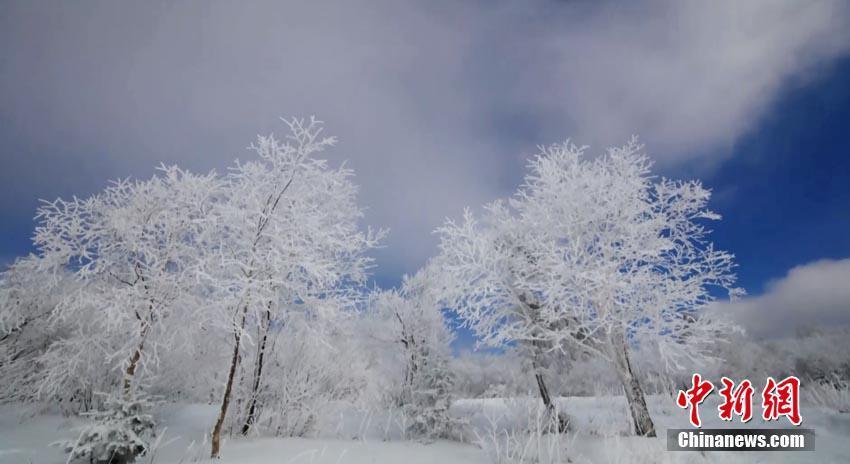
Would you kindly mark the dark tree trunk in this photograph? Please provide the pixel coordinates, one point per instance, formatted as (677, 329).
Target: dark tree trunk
(228, 388)
(555, 418)
(258, 373)
(641, 419)
(133, 363)
(544, 394)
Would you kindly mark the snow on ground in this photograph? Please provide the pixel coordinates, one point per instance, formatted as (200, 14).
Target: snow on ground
(26, 440)
(602, 431)
(600, 436)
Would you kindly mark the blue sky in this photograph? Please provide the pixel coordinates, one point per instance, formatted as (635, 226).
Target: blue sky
(437, 106)
(785, 192)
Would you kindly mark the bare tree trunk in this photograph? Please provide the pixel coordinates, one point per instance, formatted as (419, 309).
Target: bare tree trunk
(643, 425)
(146, 323)
(544, 394)
(228, 388)
(555, 418)
(130, 372)
(133, 363)
(258, 372)
(537, 350)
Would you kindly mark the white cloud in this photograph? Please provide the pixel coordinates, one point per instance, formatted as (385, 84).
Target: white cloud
(690, 77)
(811, 296)
(435, 103)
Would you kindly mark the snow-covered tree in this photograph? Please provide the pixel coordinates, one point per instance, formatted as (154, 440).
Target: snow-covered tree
(20, 302)
(110, 272)
(133, 247)
(412, 340)
(592, 256)
(404, 324)
(286, 236)
(488, 270)
(28, 297)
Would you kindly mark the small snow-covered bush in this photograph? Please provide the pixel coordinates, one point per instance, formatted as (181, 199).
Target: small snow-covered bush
(431, 401)
(118, 434)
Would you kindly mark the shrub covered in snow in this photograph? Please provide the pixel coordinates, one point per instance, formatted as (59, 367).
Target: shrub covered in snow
(118, 434)
(430, 402)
